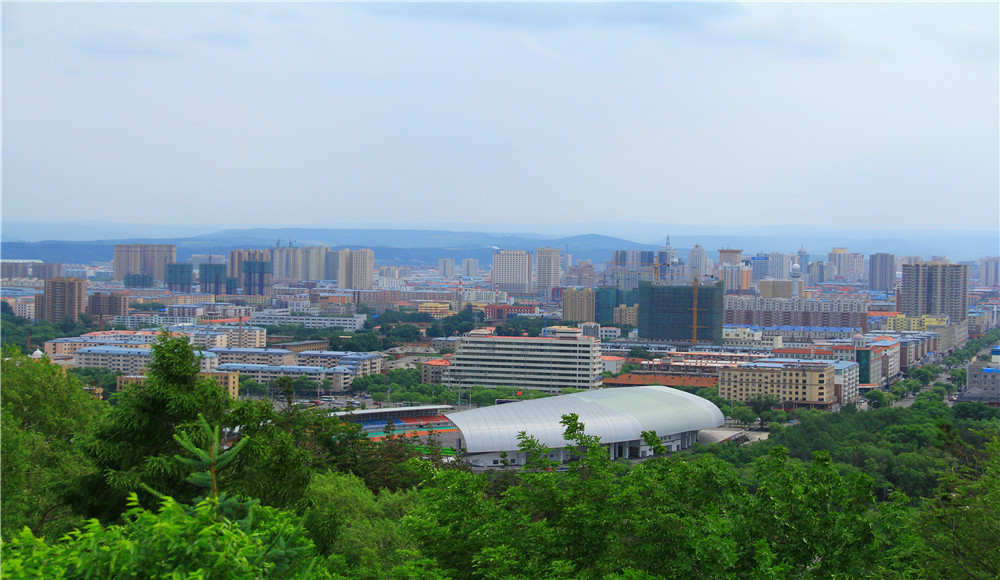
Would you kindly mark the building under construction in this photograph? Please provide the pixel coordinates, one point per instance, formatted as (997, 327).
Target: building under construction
(677, 314)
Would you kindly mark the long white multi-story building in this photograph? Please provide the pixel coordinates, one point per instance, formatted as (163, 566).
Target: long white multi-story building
(567, 359)
(129, 361)
(348, 323)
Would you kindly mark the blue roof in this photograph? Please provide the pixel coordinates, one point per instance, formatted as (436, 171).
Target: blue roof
(250, 350)
(280, 368)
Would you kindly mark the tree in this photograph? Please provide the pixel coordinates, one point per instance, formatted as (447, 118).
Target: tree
(176, 541)
(877, 399)
(958, 377)
(743, 415)
(44, 413)
(133, 446)
(762, 403)
(960, 526)
(639, 352)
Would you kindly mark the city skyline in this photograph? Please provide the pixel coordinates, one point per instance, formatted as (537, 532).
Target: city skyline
(742, 115)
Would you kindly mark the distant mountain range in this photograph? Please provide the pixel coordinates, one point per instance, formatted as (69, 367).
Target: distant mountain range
(413, 246)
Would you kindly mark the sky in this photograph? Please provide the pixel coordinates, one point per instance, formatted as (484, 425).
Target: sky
(846, 115)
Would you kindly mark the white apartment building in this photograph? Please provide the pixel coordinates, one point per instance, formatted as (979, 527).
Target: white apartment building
(547, 271)
(348, 323)
(567, 359)
(362, 363)
(489, 296)
(741, 336)
(137, 321)
(129, 361)
(232, 335)
(261, 356)
(340, 377)
(511, 271)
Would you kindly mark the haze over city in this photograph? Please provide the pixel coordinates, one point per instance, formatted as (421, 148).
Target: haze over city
(568, 117)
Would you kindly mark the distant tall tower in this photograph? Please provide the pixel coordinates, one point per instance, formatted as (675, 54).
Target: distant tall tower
(779, 265)
(990, 272)
(698, 261)
(802, 259)
(729, 256)
(935, 288)
(669, 254)
(512, 271)
(446, 267)
(838, 257)
(882, 272)
(470, 267)
(547, 268)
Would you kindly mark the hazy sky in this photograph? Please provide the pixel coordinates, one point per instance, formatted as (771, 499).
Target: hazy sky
(836, 115)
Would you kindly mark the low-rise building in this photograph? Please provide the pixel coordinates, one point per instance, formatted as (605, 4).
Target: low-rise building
(432, 371)
(129, 361)
(348, 323)
(363, 363)
(795, 383)
(340, 377)
(229, 381)
(263, 356)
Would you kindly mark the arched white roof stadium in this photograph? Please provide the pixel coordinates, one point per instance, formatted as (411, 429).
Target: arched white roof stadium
(616, 414)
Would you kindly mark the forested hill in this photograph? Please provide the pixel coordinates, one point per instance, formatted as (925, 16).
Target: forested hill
(298, 494)
(390, 246)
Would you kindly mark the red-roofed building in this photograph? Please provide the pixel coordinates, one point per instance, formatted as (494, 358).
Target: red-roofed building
(432, 371)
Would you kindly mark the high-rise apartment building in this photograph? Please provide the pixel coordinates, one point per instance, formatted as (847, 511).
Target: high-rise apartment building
(512, 271)
(212, 278)
(855, 267)
(237, 257)
(547, 268)
(838, 257)
(729, 256)
(667, 312)
(45, 271)
(287, 263)
(990, 272)
(107, 304)
(779, 265)
(579, 304)
(355, 269)
(62, 298)
(882, 272)
(314, 262)
(470, 268)
(151, 259)
(257, 277)
(735, 277)
(935, 288)
(446, 267)
(698, 261)
(180, 277)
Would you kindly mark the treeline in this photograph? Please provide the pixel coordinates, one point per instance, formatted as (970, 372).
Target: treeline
(176, 480)
(16, 330)
(404, 386)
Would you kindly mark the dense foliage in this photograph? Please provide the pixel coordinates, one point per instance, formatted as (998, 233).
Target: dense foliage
(186, 483)
(16, 330)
